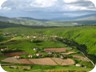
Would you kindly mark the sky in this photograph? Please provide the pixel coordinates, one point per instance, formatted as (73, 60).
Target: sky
(47, 9)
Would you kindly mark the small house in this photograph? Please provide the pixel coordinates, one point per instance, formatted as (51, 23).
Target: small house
(30, 56)
(61, 57)
(78, 65)
(17, 57)
(35, 49)
(34, 37)
(49, 53)
(28, 37)
(2, 49)
(38, 54)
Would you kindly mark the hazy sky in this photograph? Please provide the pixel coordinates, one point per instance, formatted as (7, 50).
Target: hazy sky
(47, 8)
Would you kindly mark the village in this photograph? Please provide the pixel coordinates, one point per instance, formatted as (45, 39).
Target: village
(51, 56)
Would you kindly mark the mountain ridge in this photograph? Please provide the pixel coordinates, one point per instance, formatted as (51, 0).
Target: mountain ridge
(27, 21)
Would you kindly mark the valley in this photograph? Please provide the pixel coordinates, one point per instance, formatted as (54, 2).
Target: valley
(47, 35)
(48, 49)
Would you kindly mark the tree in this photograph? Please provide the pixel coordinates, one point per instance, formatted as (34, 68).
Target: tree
(1, 38)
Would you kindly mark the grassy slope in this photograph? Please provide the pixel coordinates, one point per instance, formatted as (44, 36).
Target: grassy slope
(83, 35)
(40, 68)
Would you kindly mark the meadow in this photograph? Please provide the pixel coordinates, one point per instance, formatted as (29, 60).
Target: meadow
(83, 35)
(27, 38)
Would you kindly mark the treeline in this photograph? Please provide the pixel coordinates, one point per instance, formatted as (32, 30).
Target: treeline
(7, 24)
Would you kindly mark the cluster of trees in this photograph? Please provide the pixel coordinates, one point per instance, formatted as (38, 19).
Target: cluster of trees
(1, 37)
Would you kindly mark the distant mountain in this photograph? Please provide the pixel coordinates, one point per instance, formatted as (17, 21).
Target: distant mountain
(29, 18)
(92, 18)
(27, 21)
(4, 18)
(35, 22)
(77, 18)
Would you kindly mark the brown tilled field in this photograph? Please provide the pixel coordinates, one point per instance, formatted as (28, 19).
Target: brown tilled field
(53, 61)
(58, 60)
(11, 60)
(68, 62)
(64, 61)
(14, 54)
(81, 58)
(68, 53)
(55, 49)
(25, 61)
(43, 61)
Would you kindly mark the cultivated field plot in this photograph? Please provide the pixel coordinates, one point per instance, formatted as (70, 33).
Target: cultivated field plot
(25, 61)
(14, 54)
(81, 58)
(64, 61)
(11, 60)
(41, 61)
(55, 50)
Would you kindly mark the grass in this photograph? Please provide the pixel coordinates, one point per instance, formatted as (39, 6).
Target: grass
(83, 35)
(38, 68)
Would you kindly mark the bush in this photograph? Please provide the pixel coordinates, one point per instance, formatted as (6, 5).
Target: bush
(1, 38)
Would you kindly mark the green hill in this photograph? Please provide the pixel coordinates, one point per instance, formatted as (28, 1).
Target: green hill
(37, 22)
(83, 35)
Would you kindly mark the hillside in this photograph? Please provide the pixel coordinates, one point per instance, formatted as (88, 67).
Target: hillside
(21, 41)
(93, 18)
(41, 22)
(83, 35)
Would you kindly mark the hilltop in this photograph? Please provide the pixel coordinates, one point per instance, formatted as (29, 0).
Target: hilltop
(27, 21)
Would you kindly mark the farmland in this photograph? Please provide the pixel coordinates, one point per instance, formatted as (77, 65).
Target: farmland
(47, 49)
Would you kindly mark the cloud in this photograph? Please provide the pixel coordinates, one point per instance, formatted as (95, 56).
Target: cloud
(74, 7)
(74, 1)
(70, 1)
(43, 3)
(94, 2)
(6, 8)
(46, 8)
(1, 2)
(48, 5)
(79, 5)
